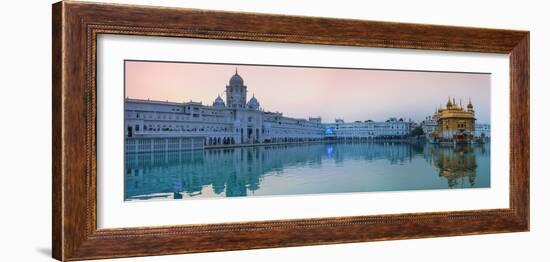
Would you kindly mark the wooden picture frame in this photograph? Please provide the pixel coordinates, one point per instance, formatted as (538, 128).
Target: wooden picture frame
(76, 26)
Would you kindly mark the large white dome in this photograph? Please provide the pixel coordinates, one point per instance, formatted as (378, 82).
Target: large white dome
(236, 80)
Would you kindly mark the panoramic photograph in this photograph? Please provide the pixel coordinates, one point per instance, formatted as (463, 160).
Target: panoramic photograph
(208, 130)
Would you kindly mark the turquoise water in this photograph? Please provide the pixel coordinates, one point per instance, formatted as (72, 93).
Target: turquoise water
(305, 169)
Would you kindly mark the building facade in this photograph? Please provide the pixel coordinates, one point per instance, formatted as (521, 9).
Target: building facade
(389, 129)
(239, 121)
(431, 124)
(164, 125)
(454, 123)
(482, 131)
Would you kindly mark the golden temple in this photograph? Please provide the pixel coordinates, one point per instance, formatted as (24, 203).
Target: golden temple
(455, 123)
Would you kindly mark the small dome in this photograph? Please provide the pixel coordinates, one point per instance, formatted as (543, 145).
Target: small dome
(253, 103)
(236, 79)
(218, 101)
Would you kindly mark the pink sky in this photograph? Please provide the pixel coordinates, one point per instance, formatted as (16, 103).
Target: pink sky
(352, 94)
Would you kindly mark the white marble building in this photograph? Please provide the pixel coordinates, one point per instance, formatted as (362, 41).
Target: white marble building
(482, 130)
(389, 129)
(238, 121)
(234, 121)
(429, 125)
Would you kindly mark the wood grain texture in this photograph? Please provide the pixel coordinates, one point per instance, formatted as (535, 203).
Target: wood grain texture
(57, 199)
(519, 129)
(76, 26)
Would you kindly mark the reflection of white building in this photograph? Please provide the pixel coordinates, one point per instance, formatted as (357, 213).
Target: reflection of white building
(391, 128)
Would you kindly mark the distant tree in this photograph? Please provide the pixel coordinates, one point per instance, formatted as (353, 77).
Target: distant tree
(417, 131)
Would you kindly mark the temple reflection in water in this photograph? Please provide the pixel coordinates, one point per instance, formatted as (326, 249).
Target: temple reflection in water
(305, 169)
